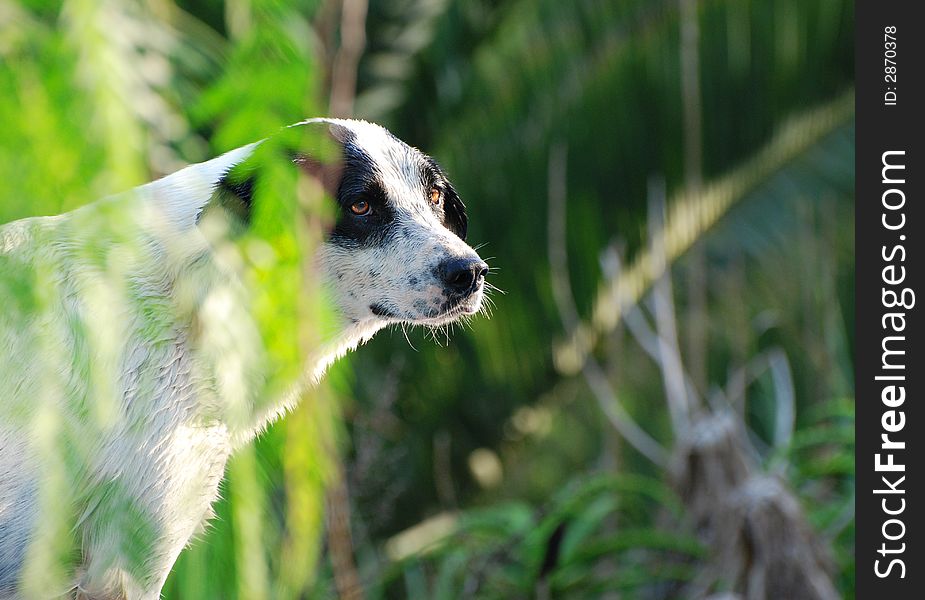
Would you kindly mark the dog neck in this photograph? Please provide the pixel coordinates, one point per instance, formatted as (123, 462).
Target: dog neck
(348, 337)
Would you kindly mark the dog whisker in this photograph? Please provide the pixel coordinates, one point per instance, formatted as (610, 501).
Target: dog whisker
(404, 331)
(494, 288)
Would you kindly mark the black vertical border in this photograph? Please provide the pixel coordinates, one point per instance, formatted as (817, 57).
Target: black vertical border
(881, 128)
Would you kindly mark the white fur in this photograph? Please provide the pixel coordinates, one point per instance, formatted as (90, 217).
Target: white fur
(110, 418)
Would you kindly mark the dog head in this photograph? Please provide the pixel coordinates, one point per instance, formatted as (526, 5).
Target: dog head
(397, 252)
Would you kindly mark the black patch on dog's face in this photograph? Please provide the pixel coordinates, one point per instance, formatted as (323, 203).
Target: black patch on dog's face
(360, 181)
(454, 211)
(235, 194)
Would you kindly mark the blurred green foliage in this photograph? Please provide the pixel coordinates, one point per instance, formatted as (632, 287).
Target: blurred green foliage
(98, 96)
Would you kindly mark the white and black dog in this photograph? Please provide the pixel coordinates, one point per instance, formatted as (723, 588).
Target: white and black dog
(132, 363)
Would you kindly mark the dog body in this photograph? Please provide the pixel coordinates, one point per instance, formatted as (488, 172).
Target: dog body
(133, 364)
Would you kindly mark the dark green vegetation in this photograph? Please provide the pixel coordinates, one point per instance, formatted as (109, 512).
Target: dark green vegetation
(489, 465)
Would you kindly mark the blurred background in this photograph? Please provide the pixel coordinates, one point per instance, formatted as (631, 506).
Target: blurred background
(661, 404)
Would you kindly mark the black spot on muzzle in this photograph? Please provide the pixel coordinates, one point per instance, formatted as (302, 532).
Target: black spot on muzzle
(381, 311)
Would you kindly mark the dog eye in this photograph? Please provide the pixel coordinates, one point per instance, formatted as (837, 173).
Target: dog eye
(360, 207)
(435, 196)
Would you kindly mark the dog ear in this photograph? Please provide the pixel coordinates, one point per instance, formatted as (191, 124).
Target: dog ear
(235, 193)
(328, 174)
(316, 156)
(455, 212)
(316, 151)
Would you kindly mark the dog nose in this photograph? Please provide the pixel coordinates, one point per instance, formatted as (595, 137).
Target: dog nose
(463, 274)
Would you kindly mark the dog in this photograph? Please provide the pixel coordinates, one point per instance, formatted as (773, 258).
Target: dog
(133, 358)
